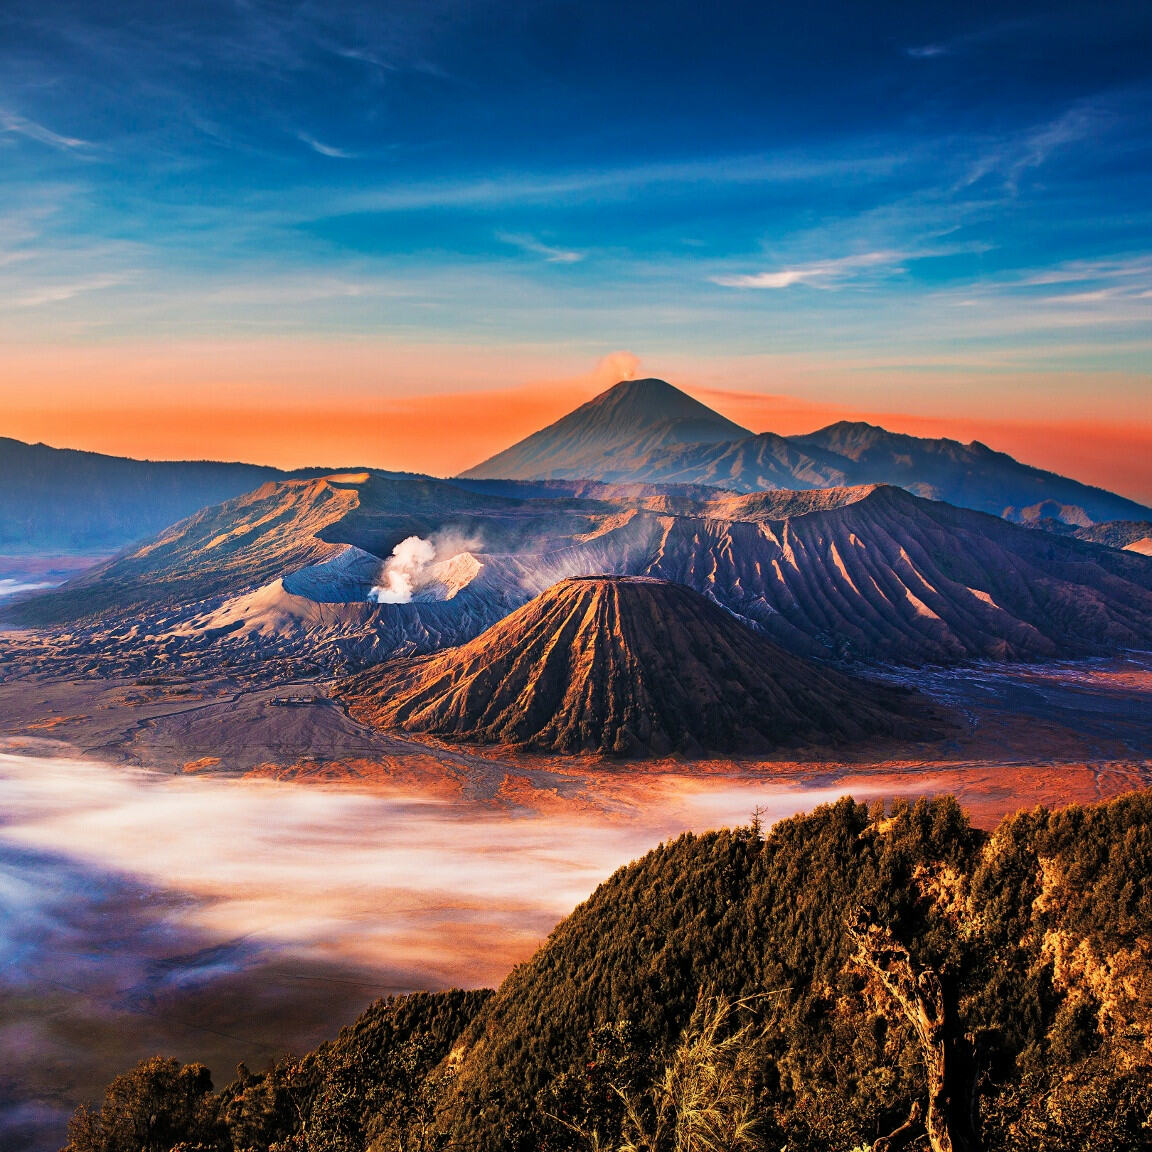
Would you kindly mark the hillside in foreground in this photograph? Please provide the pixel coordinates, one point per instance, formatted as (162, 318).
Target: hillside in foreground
(855, 978)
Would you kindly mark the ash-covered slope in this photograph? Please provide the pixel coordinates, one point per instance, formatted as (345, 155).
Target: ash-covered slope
(750, 464)
(612, 436)
(301, 530)
(869, 573)
(227, 547)
(892, 577)
(627, 666)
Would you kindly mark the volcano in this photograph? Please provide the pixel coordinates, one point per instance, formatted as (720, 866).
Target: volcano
(613, 436)
(648, 432)
(628, 666)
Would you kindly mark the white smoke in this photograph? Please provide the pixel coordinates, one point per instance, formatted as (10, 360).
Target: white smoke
(10, 587)
(617, 366)
(407, 570)
(402, 571)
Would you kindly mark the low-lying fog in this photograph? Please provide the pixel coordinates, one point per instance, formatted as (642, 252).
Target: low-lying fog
(11, 587)
(231, 919)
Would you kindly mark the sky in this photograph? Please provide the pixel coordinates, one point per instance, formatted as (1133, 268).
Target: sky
(404, 234)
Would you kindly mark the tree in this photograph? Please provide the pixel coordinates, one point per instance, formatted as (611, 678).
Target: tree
(157, 1106)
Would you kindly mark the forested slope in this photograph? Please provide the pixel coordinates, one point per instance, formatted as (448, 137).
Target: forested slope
(850, 977)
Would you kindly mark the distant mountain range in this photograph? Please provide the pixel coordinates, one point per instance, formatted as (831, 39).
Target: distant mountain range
(870, 573)
(640, 436)
(61, 500)
(650, 432)
(823, 566)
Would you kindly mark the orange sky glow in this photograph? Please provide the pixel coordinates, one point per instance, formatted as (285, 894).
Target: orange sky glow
(440, 410)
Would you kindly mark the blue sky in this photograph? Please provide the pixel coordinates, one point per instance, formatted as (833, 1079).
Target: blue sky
(901, 192)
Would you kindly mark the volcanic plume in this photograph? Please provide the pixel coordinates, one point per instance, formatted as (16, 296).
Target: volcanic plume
(627, 666)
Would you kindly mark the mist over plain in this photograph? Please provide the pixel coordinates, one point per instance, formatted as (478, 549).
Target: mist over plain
(450, 893)
(227, 919)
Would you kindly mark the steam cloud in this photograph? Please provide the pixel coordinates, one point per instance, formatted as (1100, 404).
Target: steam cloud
(406, 570)
(622, 365)
(401, 573)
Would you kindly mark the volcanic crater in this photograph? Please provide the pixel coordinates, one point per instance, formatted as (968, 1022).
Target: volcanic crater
(630, 666)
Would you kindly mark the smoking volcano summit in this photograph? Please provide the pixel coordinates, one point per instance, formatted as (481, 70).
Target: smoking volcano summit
(647, 431)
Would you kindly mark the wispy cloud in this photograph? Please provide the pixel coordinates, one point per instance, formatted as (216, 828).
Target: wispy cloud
(1085, 271)
(860, 165)
(536, 247)
(823, 273)
(280, 291)
(326, 149)
(1000, 32)
(14, 257)
(12, 124)
(1093, 297)
(1099, 123)
(1081, 122)
(65, 290)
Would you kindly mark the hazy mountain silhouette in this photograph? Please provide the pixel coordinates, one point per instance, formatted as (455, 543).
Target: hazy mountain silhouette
(59, 499)
(970, 475)
(649, 431)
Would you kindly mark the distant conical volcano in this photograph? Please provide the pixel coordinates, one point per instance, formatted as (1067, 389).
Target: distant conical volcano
(647, 432)
(639, 416)
(627, 666)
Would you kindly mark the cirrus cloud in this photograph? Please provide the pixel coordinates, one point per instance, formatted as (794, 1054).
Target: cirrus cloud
(12, 124)
(536, 247)
(823, 273)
